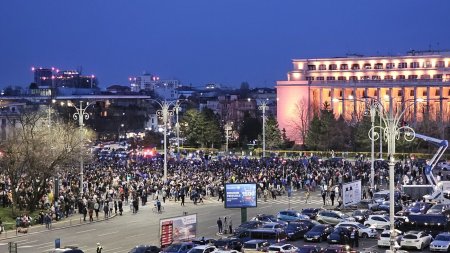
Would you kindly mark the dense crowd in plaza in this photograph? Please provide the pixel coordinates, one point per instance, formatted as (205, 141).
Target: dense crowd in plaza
(111, 185)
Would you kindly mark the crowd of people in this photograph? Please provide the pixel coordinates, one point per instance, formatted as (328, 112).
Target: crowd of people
(110, 185)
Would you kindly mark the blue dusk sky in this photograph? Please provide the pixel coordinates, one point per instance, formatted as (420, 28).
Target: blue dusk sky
(203, 41)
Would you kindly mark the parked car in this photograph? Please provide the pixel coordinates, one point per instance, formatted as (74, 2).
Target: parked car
(443, 165)
(415, 239)
(229, 243)
(318, 233)
(274, 225)
(181, 247)
(339, 249)
(310, 223)
(332, 217)
(361, 215)
(68, 249)
(282, 248)
(418, 208)
(145, 249)
(248, 225)
(296, 230)
(340, 235)
(203, 241)
(363, 232)
(266, 218)
(291, 215)
(309, 249)
(384, 240)
(438, 209)
(311, 212)
(255, 246)
(203, 249)
(385, 206)
(377, 221)
(441, 242)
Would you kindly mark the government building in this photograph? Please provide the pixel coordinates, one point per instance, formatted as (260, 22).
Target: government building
(418, 81)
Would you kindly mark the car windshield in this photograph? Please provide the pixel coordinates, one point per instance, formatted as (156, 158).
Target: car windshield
(174, 248)
(358, 212)
(221, 243)
(410, 236)
(443, 238)
(317, 229)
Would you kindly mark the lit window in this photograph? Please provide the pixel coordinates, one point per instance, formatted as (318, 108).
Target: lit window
(365, 77)
(438, 76)
(412, 77)
(353, 78)
(388, 77)
(367, 66)
(414, 65)
(379, 66)
(342, 78)
(425, 77)
(376, 77)
(322, 67)
(440, 64)
(390, 65)
(344, 66)
(311, 67)
(355, 66)
(401, 77)
(309, 78)
(332, 67)
(402, 65)
(331, 78)
(320, 78)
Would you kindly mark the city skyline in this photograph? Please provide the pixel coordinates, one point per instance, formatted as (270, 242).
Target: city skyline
(202, 42)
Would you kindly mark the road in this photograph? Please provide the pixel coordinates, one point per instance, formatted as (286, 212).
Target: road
(122, 233)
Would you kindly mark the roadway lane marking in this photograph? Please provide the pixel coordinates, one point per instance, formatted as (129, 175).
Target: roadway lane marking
(131, 236)
(30, 242)
(21, 241)
(109, 233)
(41, 245)
(3, 244)
(113, 249)
(84, 231)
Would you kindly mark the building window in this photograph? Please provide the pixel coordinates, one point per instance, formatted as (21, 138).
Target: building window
(427, 64)
(320, 78)
(425, 77)
(342, 78)
(412, 77)
(344, 66)
(310, 78)
(332, 67)
(340, 93)
(402, 65)
(376, 77)
(311, 67)
(438, 76)
(375, 93)
(353, 78)
(390, 65)
(401, 77)
(411, 93)
(414, 65)
(365, 77)
(440, 64)
(367, 66)
(355, 66)
(424, 93)
(388, 77)
(379, 66)
(322, 67)
(438, 92)
(399, 93)
(331, 78)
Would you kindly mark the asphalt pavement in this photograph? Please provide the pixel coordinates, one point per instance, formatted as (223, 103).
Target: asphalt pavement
(122, 233)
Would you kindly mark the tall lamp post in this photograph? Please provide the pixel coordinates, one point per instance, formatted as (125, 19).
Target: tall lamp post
(228, 128)
(392, 129)
(177, 109)
(263, 107)
(371, 109)
(164, 113)
(81, 115)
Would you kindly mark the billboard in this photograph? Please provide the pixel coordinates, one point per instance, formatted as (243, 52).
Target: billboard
(351, 193)
(177, 229)
(240, 195)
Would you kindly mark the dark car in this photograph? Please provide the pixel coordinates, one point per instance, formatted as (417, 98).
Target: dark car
(318, 233)
(229, 243)
(309, 223)
(418, 208)
(339, 249)
(309, 249)
(181, 247)
(248, 225)
(296, 230)
(311, 212)
(340, 235)
(145, 249)
(265, 218)
(361, 215)
(204, 241)
(384, 206)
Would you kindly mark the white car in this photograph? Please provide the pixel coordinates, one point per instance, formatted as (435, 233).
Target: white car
(363, 232)
(441, 242)
(377, 221)
(416, 239)
(282, 248)
(203, 249)
(385, 239)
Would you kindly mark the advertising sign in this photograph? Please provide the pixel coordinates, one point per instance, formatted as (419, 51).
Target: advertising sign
(351, 193)
(240, 195)
(177, 229)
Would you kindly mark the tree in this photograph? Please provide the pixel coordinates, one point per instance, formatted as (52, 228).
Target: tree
(33, 153)
(249, 130)
(201, 129)
(273, 134)
(300, 121)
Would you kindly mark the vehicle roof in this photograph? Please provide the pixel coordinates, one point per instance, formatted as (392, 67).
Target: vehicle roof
(413, 232)
(203, 246)
(256, 241)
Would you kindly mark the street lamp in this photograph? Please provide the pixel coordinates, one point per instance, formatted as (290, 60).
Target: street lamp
(164, 114)
(263, 107)
(81, 115)
(228, 127)
(391, 130)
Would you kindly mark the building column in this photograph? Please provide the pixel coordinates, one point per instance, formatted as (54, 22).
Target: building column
(428, 101)
(354, 103)
(343, 102)
(331, 99)
(441, 105)
(415, 104)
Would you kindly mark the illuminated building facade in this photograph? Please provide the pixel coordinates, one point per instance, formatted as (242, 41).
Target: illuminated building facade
(343, 82)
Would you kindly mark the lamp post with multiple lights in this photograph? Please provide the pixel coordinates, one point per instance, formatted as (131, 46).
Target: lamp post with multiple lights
(228, 127)
(263, 106)
(81, 115)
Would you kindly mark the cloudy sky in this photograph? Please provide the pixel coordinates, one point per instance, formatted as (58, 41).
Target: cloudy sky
(202, 41)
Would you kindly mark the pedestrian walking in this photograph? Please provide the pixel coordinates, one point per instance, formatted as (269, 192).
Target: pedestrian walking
(99, 248)
(356, 238)
(225, 225)
(307, 193)
(230, 224)
(324, 196)
(219, 225)
(332, 196)
(352, 238)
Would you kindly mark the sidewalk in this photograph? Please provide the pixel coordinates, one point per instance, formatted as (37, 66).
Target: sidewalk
(71, 221)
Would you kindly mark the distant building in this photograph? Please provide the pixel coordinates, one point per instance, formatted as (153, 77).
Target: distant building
(165, 89)
(342, 82)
